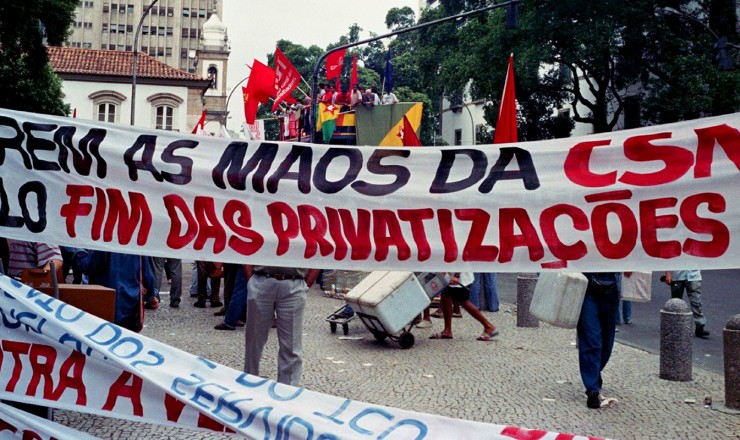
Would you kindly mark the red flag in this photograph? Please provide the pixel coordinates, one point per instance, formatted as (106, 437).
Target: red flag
(408, 135)
(201, 124)
(260, 87)
(286, 79)
(506, 124)
(74, 113)
(334, 63)
(353, 78)
(338, 86)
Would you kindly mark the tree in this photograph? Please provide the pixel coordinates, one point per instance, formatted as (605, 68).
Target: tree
(27, 81)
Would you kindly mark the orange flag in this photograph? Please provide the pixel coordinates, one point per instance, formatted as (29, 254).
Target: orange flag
(506, 125)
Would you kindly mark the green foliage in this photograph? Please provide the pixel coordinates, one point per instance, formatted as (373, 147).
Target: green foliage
(26, 80)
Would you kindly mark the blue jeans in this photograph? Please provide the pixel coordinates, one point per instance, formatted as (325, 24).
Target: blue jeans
(489, 291)
(626, 312)
(238, 301)
(596, 327)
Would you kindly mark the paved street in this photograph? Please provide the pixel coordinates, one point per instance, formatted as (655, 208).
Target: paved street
(527, 377)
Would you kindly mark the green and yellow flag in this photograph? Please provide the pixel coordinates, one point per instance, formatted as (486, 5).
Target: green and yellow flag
(326, 120)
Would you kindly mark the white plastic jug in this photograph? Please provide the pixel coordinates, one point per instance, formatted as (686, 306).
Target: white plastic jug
(558, 297)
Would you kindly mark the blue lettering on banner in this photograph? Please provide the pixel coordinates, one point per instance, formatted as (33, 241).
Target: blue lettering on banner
(289, 424)
(59, 314)
(364, 413)
(116, 343)
(332, 416)
(31, 321)
(231, 405)
(253, 416)
(208, 363)
(423, 429)
(244, 379)
(77, 345)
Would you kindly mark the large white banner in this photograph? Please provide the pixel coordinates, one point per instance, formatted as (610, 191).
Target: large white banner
(654, 198)
(56, 355)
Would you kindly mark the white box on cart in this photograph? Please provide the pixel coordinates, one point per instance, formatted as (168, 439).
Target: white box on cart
(394, 298)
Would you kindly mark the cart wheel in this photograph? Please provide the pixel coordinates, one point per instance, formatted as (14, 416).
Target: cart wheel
(345, 329)
(333, 327)
(379, 336)
(406, 340)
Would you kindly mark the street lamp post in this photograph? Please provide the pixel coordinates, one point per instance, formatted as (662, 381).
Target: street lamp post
(134, 66)
(315, 77)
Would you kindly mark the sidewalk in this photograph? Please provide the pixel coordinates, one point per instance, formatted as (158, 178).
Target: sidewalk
(527, 377)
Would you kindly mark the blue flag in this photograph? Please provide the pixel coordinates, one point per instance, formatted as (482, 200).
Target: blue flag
(388, 73)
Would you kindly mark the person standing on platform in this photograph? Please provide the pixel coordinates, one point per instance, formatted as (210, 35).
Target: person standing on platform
(277, 292)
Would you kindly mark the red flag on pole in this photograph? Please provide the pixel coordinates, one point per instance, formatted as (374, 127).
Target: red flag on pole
(408, 135)
(506, 124)
(260, 87)
(201, 124)
(334, 62)
(286, 79)
(353, 77)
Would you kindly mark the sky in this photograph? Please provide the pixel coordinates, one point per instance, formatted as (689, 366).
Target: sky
(254, 26)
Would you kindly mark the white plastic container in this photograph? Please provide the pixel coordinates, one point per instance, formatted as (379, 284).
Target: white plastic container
(394, 298)
(432, 282)
(558, 297)
(637, 287)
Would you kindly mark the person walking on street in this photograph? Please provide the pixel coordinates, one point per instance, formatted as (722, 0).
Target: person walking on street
(277, 292)
(458, 291)
(689, 281)
(596, 328)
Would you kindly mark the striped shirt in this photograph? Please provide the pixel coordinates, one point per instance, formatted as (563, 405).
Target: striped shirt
(30, 255)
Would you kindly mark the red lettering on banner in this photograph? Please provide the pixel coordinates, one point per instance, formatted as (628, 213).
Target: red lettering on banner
(175, 204)
(447, 233)
(474, 249)
(560, 250)
(727, 137)
(239, 219)
(650, 222)
(357, 234)
(173, 407)
(387, 232)
(577, 170)
(208, 225)
(313, 229)
(16, 349)
(203, 224)
(628, 230)
(284, 224)
(509, 240)
(5, 426)
(42, 359)
(117, 217)
(335, 231)
(719, 232)
(75, 363)
(415, 218)
(121, 388)
(677, 160)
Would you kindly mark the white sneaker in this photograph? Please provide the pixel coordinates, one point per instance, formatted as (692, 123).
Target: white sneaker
(424, 324)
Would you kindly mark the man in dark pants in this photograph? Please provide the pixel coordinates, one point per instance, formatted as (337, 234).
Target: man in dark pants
(596, 330)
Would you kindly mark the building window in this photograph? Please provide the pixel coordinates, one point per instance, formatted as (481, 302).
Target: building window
(106, 104)
(169, 31)
(165, 116)
(458, 136)
(122, 9)
(170, 12)
(111, 47)
(201, 13)
(114, 8)
(130, 28)
(105, 28)
(121, 28)
(145, 30)
(185, 12)
(88, 4)
(213, 76)
(165, 106)
(106, 8)
(106, 112)
(168, 51)
(160, 31)
(130, 9)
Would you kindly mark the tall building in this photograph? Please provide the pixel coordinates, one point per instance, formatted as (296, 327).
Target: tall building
(170, 33)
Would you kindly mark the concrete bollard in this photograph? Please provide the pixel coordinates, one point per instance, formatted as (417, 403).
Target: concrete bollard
(525, 284)
(731, 347)
(676, 341)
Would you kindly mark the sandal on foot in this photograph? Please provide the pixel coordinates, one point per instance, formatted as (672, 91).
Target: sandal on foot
(457, 315)
(437, 315)
(223, 326)
(487, 336)
(440, 336)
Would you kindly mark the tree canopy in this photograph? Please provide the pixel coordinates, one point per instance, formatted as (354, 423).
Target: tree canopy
(27, 81)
